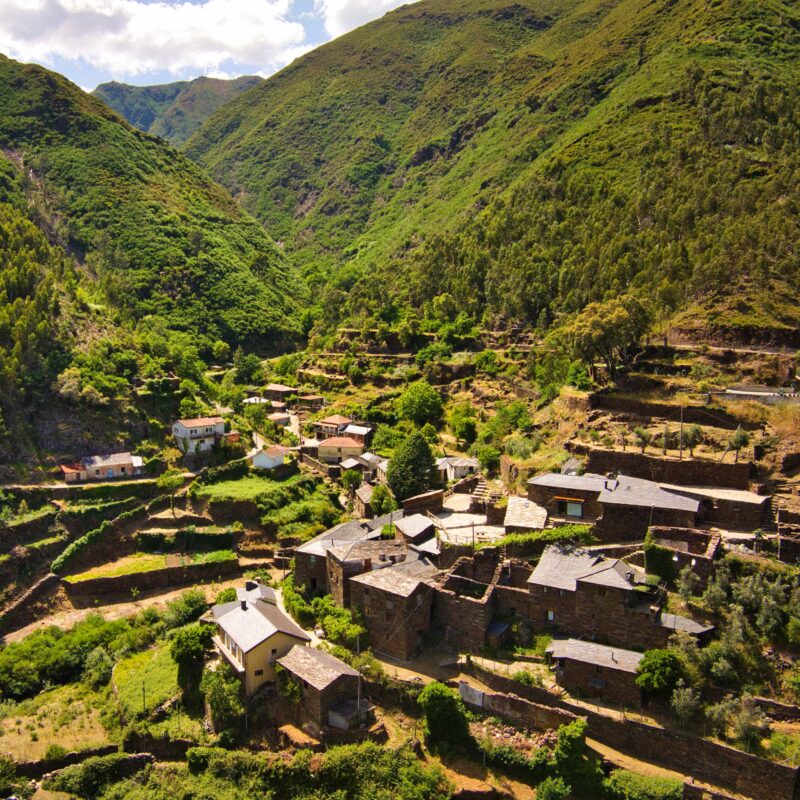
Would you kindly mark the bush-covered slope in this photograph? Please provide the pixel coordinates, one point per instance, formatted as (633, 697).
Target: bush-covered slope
(162, 239)
(173, 111)
(529, 157)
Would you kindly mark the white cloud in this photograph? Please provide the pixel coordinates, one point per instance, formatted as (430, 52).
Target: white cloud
(341, 16)
(131, 37)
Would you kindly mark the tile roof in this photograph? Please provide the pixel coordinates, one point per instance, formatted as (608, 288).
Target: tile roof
(562, 569)
(254, 624)
(334, 419)
(315, 667)
(589, 482)
(524, 513)
(200, 422)
(597, 654)
(279, 387)
(340, 441)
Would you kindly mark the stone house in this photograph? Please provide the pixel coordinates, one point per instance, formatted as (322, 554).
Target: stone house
(596, 671)
(278, 393)
(198, 435)
(310, 402)
(732, 509)
(338, 448)
(345, 561)
(279, 418)
(252, 633)
(432, 501)
(582, 593)
(310, 559)
(382, 471)
(571, 498)
(103, 468)
(396, 605)
(330, 691)
(415, 528)
(362, 501)
(333, 425)
(523, 514)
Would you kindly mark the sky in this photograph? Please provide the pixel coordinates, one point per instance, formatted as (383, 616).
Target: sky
(148, 42)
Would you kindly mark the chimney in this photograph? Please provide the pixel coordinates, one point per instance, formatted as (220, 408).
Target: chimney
(250, 585)
(244, 605)
(367, 564)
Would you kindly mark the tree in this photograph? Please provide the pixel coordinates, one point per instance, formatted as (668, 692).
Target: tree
(687, 583)
(351, 479)
(740, 439)
(463, 423)
(412, 469)
(692, 437)
(642, 437)
(248, 367)
(188, 647)
(169, 482)
(489, 458)
(382, 501)
(97, 668)
(659, 671)
(420, 403)
(685, 701)
(221, 351)
(222, 692)
(446, 726)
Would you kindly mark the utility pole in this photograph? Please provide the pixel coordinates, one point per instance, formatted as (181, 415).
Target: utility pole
(680, 457)
(144, 700)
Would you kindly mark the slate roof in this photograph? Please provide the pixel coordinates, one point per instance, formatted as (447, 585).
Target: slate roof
(589, 482)
(111, 460)
(627, 491)
(352, 531)
(402, 579)
(597, 654)
(677, 623)
(387, 519)
(315, 667)
(415, 526)
(364, 492)
(259, 593)
(254, 624)
(351, 463)
(524, 513)
(562, 569)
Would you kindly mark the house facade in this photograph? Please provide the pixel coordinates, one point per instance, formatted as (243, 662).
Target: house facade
(269, 458)
(361, 433)
(198, 435)
(279, 393)
(103, 468)
(338, 448)
(331, 426)
(252, 633)
(454, 468)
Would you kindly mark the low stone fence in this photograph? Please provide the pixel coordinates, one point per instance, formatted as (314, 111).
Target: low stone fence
(331, 471)
(715, 763)
(778, 711)
(162, 749)
(36, 769)
(516, 710)
(21, 611)
(685, 472)
(167, 577)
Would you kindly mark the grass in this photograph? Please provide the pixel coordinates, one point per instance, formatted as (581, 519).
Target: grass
(68, 716)
(146, 680)
(248, 488)
(129, 565)
(45, 542)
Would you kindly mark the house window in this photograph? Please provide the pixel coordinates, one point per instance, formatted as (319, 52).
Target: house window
(574, 509)
(258, 673)
(551, 615)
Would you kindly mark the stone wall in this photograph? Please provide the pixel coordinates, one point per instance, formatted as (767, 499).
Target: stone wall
(26, 532)
(22, 611)
(583, 679)
(709, 417)
(36, 769)
(168, 577)
(630, 523)
(705, 760)
(519, 711)
(688, 472)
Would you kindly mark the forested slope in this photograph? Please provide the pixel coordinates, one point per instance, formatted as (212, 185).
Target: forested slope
(532, 157)
(173, 111)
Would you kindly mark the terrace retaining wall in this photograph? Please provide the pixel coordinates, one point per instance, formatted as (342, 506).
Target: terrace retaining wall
(708, 761)
(686, 472)
(38, 768)
(21, 612)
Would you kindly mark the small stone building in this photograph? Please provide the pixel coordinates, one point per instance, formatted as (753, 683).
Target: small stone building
(396, 605)
(345, 561)
(523, 514)
(594, 670)
(571, 498)
(329, 690)
(362, 501)
(279, 393)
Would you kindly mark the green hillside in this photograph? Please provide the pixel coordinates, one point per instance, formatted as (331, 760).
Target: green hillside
(119, 260)
(173, 111)
(531, 157)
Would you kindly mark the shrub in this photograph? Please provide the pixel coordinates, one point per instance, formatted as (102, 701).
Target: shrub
(55, 751)
(98, 667)
(185, 609)
(91, 777)
(226, 596)
(446, 726)
(222, 691)
(552, 789)
(659, 671)
(197, 758)
(624, 785)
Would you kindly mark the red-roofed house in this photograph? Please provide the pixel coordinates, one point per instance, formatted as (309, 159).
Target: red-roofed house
(199, 434)
(338, 448)
(331, 426)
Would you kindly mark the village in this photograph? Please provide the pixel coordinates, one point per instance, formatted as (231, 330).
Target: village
(589, 590)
